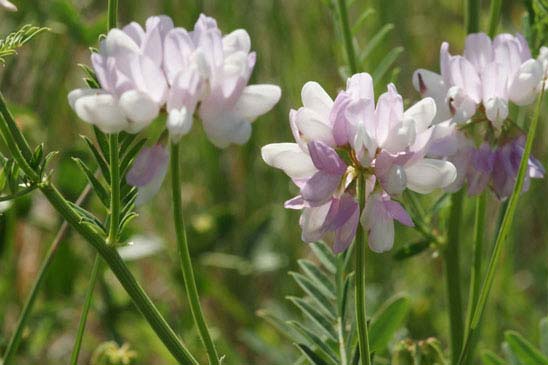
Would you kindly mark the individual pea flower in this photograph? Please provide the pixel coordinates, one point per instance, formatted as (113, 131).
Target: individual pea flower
(148, 172)
(474, 130)
(8, 5)
(133, 89)
(337, 140)
(489, 74)
(223, 65)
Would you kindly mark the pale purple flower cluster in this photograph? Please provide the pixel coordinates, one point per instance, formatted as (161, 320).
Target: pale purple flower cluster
(380, 140)
(476, 88)
(141, 71)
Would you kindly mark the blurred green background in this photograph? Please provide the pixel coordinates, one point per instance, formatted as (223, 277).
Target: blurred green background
(242, 240)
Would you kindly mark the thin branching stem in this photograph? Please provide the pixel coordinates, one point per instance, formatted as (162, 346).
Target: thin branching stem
(472, 14)
(361, 314)
(114, 216)
(110, 255)
(184, 255)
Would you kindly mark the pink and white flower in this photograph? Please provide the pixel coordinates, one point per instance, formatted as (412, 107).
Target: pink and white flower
(491, 73)
(133, 86)
(382, 141)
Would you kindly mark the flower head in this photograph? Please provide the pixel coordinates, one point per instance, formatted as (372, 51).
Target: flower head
(133, 86)
(472, 95)
(337, 140)
(142, 71)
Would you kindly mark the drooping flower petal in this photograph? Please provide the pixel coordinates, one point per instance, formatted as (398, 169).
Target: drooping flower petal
(290, 158)
(148, 172)
(257, 100)
(428, 175)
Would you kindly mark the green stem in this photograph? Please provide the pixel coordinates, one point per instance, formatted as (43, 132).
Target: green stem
(503, 233)
(361, 316)
(347, 34)
(475, 275)
(112, 13)
(472, 18)
(184, 254)
(452, 273)
(16, 337)
(114, 190)
(121, 271)
(494, 17)
(109, 254)
(85, 311)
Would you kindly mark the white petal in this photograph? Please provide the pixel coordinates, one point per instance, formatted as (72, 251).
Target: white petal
(290, 158)
(379, 224)
(78, 93)
(139, 108)
(103, 111)
(524, 87)
(422, 113)
(117, 43)
(315, 98)
(313, 127)
(236, 41)
(312, 220)
(427, 175)
(226, 128)
(179, 123)
(8, 5)
(496, 110)
(257, 100)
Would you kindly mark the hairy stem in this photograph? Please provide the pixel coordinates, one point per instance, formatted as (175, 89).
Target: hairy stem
(184, 255)
(85, 311)
(452, 274)
(361, 316)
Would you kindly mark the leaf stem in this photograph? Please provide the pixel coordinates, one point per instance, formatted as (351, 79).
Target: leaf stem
(347, 34)
(114, 190)
(85, 311)
(494, 17)
(112, 13)
(452, 274)
(472, 19)
(361, 243)
(184, 255)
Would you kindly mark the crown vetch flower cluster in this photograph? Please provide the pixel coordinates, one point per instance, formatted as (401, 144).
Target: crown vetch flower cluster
(142, 71)
(472, 95)
(337, 140)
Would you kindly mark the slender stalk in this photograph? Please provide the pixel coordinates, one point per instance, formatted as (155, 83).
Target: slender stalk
(114, 190)
(502, 235)
(361, 317)
(494, 17)
(112, 13)
(347, 34)
(29, 304)
(340, 275)
(472, 16)
(452, 274)
(184, 254)
(475, 276)
(85, 311)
